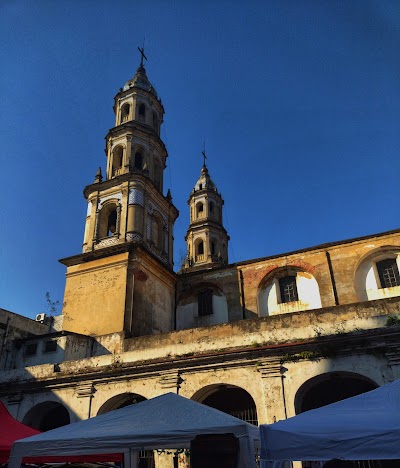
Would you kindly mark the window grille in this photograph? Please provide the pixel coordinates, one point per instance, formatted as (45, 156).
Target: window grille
(388, 272)
(288, 289)
(146, 459)
(205, 303)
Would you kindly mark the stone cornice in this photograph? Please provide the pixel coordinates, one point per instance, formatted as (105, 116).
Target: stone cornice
(266, 359)
(134, 126)
(126, 247)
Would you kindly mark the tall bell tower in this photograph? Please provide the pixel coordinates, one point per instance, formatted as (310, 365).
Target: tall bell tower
(206, 237)
(123, 280)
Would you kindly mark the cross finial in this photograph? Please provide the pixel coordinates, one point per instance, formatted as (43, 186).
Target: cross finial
(204, 154)
(141, 50)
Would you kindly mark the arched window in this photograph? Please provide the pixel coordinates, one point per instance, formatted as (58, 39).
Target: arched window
(200, 248)
(142, 112)
(108, 221)
(199, 209)
(138, 160)
(118, 155)
(377, 275)
(288, 289)
(125, 111)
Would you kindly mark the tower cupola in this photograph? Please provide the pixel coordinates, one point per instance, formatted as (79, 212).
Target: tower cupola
(206, 238)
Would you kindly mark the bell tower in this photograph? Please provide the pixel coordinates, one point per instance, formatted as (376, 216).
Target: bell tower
(206, 237)
(128, 237)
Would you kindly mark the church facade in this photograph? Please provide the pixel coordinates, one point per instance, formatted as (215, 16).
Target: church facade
(263, 339)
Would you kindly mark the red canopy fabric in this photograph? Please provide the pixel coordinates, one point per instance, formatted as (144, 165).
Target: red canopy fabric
(10, 431)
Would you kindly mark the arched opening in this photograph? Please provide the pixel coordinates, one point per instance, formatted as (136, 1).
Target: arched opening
(138, 160)
(46, 416)
(142, 112)
(120, 401)
(146, 457)
(229, 399)
(125, 111)
(108, 220)
(200, 248)
(118, 155)
(329, 388)
(199, 210)
(377, 275)
(286, 290)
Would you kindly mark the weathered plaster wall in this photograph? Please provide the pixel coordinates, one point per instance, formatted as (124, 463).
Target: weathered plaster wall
(94, 299)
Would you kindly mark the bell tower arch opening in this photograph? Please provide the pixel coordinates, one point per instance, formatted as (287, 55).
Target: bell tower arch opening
(125, 112)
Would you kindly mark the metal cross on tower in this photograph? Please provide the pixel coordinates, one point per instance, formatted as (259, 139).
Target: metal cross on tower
(204, 154)
(141, 50)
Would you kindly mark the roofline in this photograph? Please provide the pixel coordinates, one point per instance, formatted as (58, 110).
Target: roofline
(294, 252)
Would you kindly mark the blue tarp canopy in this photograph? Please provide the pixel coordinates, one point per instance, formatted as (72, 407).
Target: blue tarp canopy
(364, 427)
(167, 421)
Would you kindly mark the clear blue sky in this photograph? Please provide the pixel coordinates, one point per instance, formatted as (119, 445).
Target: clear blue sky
(298, 102)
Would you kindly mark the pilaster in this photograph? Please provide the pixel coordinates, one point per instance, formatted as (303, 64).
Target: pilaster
(84, 393)
(271, 371)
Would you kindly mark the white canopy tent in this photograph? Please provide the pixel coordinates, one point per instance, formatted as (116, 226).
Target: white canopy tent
(364, 427)
(165, 422)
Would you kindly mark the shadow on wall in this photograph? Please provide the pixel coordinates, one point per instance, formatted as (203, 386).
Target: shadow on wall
(41, 410)
(52, 348)
(213, 298)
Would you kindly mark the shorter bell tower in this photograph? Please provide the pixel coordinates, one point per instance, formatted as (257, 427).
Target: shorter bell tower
(206, 238)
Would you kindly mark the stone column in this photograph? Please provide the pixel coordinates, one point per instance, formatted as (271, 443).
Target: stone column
(85, 393)
(128, 152)
(271, 371)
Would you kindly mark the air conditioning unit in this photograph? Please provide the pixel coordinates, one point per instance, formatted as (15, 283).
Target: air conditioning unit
(40, 317)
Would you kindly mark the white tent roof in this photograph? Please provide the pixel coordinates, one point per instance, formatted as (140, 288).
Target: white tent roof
(167, 421)
(364, 427)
